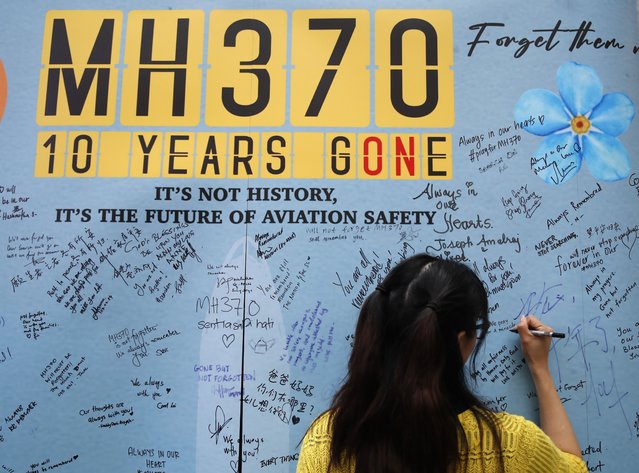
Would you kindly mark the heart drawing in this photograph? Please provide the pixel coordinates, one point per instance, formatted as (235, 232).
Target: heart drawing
(628, 240)
(228, 340)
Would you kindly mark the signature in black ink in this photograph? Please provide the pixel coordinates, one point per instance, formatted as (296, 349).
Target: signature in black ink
(220, 422)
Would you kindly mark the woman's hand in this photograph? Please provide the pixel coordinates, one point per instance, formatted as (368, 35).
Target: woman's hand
(535, 348)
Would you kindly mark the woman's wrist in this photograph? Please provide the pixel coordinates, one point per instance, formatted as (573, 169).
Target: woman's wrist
(541, 375)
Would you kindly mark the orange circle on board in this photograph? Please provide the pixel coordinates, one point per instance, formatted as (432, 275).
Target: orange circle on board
(3, 89)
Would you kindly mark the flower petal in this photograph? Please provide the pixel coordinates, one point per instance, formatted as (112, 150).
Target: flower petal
(613, 114)
(557, 159)
(579, 86)
(541, 112)
(605, 156)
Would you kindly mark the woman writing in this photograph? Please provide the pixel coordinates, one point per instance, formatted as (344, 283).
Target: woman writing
(405, 406)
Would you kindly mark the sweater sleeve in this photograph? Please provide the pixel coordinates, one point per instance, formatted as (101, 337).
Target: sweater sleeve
(539, 454)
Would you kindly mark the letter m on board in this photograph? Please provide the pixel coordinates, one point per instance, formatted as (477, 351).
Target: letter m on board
(79, 81)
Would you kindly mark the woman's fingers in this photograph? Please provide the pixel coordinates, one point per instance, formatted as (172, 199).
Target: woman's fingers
(531, 322)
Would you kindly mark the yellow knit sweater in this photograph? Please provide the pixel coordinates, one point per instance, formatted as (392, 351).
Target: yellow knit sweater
(525, 447)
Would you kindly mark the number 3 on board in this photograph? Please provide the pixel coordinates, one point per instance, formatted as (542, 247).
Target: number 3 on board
(331, 71)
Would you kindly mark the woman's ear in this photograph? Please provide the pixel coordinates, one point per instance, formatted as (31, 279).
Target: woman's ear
(466, 344)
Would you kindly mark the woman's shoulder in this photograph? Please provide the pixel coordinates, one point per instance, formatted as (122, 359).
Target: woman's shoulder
(320, 429)
(515, 423)
(514, 430)
(315, 452)
(524, 446)
(504, 421)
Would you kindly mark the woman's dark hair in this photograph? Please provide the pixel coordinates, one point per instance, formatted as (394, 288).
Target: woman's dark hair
(397, 409)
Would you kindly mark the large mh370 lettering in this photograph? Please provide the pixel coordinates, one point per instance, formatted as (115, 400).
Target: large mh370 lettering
(245, 68)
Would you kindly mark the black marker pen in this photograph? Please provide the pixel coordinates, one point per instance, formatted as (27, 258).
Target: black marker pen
(541, 333)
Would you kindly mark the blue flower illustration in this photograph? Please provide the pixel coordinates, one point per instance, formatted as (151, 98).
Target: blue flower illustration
(581, 124)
